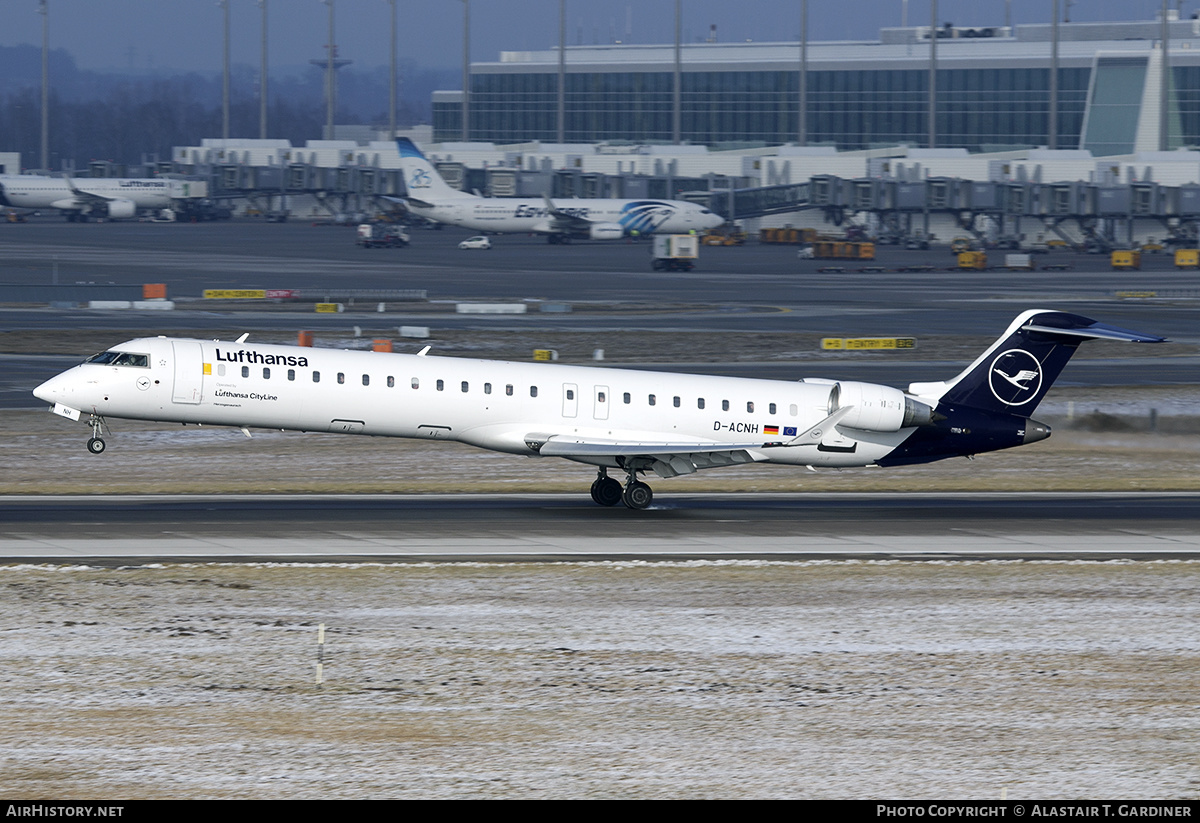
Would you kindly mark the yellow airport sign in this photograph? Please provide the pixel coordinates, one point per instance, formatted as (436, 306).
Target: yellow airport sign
(868, 343)
(235, 294)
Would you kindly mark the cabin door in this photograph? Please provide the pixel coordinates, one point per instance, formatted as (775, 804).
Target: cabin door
(189, 371)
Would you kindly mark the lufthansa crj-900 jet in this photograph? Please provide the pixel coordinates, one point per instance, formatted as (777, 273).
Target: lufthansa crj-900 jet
(630, 422)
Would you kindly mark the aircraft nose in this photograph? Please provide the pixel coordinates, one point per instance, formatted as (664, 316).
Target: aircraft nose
(54, 389)
(1035, 431)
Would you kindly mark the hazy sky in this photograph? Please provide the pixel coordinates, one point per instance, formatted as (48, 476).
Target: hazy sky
(186, 34)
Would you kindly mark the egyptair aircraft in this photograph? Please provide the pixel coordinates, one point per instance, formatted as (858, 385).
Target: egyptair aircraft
(430, 197)
(111, 197)
(633, 422)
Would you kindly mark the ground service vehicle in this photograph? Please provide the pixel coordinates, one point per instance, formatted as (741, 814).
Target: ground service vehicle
(381, 235)
(675, 252)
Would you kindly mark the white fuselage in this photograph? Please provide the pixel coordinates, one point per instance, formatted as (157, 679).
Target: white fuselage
(502, 406)
(30, 191)
(519, 215)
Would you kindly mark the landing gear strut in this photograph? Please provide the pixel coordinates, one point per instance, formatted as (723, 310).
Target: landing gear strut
(96, 445)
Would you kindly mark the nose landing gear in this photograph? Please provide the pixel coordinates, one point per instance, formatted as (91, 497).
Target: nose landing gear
(96, 444)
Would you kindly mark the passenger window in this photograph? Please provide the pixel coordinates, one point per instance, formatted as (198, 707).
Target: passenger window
(220, 369)
(391, 382)
(441, 385)
(464, 386)
(416, 383)
(341, 378)
(653, 400)
(675, 401)
(508, 389)
(570, 394)
(266, 373)
(792, 410)
(600, 397)
(724, 405)
(699, 402)
(626, 398)
(291, 374)
(316, 377)
(245, 371)
(533, 391)
(749, 405)
(487, 388)
(771, 408)
(366, 380)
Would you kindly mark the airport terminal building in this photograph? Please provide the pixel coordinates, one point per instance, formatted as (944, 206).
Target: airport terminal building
(993, 91)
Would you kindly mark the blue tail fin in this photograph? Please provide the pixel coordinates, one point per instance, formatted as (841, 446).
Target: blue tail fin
(1015, 373)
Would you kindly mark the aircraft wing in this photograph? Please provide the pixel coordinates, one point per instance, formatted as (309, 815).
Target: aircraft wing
(562, 221)
(85, 197)
(405, 201)
(664, 458)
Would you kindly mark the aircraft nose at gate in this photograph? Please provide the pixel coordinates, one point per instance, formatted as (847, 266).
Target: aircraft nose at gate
(1035, 431)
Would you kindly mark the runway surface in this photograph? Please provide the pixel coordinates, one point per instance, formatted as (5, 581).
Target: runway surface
(116, 530)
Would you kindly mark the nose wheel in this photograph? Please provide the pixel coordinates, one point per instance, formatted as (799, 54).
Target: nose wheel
(95, 445)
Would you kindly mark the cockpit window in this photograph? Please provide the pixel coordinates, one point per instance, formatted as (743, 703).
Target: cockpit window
(120, 358)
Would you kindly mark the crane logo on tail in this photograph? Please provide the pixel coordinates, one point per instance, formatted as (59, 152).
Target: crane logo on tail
(1015, 377)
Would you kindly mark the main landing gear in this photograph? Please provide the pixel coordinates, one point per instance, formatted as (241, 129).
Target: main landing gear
(96, 444)
(608, 492)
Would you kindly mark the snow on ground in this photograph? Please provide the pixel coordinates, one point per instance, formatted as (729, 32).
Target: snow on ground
(697, 679)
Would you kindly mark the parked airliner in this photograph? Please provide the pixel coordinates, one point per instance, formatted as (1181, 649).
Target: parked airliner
(630, 421)
(105, 197)
(430, 197)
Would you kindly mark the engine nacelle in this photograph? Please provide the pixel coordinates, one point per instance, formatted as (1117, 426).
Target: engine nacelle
(877, 408)
(121, 208)
(606, 231)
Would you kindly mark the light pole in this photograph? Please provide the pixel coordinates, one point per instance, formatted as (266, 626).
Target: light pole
(677, 95)
(933, 38)
(562, 71)
(802, 129)
(262, 76)
(44, 10)
(224, 4)
(392, 101)
(466, 71)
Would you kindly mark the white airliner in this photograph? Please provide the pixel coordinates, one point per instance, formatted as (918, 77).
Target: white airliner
(105, 197)
(597, 219)
(631, 421)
